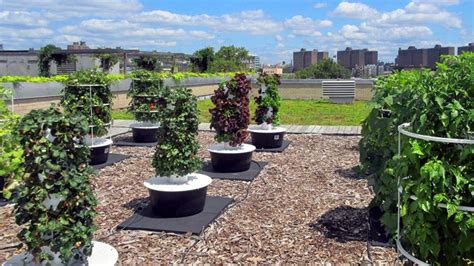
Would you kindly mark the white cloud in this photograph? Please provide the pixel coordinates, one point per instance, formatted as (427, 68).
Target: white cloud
(279, 38)
(320, 5)
(439, 2)
(30, 33)
(305, 26)
(64, 9)
(251, 21)
(355, 10)
(280, 45)
(22, 18)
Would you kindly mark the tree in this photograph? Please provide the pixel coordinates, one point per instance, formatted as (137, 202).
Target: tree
(148, 62)
(230, 58)
(326, 69)
(202, 59)
(107, 61)
(47, 54)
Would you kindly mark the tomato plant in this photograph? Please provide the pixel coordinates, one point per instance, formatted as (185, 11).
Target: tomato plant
(147, 93)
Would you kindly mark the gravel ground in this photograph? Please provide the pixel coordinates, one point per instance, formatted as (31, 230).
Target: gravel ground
(306, 206)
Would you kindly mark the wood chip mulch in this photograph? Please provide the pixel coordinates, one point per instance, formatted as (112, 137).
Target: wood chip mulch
(306, 206)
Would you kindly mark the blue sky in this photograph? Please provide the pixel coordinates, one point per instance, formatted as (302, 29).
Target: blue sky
(270, 29)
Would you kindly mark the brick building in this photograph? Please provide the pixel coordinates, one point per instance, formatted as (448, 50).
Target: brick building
(416, 58)
(468, 48)
(350, 58)
(303, 58)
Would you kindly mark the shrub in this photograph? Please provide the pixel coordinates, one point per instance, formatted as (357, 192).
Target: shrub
(440, 172)
(269, 101)
(147, 93)
(11, 155)
(176, 153)
(326, 69)
(230, 116)
(437, 104)
(107, 61)
(95, 103)
(56, 167)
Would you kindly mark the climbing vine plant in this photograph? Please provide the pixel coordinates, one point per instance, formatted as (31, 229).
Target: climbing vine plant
(55, 168)
(231, 116)
(268, 101)
(176, 153)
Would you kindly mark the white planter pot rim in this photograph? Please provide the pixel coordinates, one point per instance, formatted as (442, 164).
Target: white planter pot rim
(258, 129)
(145, 125)
(163, 183)
(221, 148)
(98, 142)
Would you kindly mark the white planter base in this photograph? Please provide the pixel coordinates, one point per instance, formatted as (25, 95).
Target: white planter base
(102, 254)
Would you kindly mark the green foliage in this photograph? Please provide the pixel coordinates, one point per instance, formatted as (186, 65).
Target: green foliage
(47, 54)
(326, 69)
(268, 100)
(202, 59)
(11, 155)
(436, 104)
(229, 59)
(93, 102)
(107, 61)
(55, 166)
(147, 93)
(116, 77)
(176, 152)
(148, 62)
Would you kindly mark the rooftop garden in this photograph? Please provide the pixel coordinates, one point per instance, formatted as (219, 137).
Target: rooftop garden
(401, 193)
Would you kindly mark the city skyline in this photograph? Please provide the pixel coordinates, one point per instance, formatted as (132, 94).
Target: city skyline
(270, 31)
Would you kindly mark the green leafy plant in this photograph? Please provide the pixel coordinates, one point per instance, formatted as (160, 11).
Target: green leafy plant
(93, 102)
(11, 155)
(147, 93)
(391, 106)
(116, 77)
(231, 116)
(326, 69)
(268, 101)
(55, 168)
(176, 152)
(107, 61)
(438, 104)
(49, 53)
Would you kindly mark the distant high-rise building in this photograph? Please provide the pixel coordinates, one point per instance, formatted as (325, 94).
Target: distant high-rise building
(303, 58)
(416, 58)
(468, 48)
(350, 58)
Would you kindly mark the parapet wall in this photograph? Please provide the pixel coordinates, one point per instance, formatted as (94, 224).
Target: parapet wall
(32, 95)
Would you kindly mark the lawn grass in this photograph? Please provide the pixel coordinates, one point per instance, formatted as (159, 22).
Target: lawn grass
(297, 112)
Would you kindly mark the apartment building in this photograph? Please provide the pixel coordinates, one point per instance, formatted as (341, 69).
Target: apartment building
(303, 58)
(352, 58)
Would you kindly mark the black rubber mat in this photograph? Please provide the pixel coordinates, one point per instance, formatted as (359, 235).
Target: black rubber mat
(146, 220)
